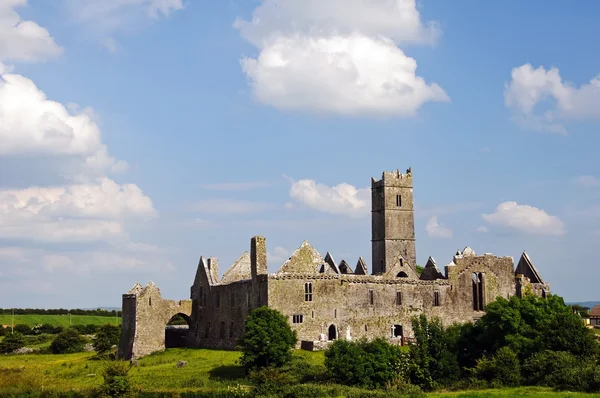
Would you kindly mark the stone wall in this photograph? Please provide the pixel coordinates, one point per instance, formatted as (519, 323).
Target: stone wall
(145, 315)
(344, 303)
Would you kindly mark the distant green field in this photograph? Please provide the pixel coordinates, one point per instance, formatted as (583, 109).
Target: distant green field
(59, 320)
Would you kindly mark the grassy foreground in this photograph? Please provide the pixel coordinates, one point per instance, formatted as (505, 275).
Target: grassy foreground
(58, 320)
(206, 370)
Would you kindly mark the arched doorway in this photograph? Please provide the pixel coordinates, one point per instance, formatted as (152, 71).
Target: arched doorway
(332, 332)
(176, 331)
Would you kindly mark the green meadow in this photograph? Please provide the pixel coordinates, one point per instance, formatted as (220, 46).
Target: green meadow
(206, 370)
(58, 320)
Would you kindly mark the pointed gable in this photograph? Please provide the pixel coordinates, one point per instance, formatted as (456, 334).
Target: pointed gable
(402, 269)
(304, 260)
(136, 289)
(361, 267)
(329, 267)
(239, 270)
(526, 268)
(431, 271)
(345, 268)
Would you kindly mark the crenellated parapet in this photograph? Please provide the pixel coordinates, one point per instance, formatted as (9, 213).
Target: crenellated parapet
(394, 179)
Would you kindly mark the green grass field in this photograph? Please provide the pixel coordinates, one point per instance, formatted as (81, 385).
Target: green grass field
(58, 320)
(206, 370)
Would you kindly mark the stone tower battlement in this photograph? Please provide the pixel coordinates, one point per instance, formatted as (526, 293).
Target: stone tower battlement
(393, 179)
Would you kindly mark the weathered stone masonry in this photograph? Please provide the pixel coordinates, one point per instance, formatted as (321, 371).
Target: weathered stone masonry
(325, 300)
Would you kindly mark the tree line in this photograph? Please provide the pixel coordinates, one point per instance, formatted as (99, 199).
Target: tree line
(59, 311)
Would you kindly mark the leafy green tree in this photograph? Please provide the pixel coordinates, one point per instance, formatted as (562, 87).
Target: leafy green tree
(366, 363)
(532, 324)
(581, 310)
(434, 360)
(4, 331)
(66, 342)
(11, 342)
(106, 337)
(268, 339)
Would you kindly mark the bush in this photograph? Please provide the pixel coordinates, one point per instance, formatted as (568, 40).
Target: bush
(503, 369)
(268, 339)
(46, 328)
(107, 336)
(3, 331)
(85, 329)
(368, 364)
(116, 382)
(22, 328)
(543, 367)
(12, 342)
(68, 341)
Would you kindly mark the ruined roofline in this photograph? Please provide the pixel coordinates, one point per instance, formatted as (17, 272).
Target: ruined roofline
(393, 179)
(354, 278)
(241, 266)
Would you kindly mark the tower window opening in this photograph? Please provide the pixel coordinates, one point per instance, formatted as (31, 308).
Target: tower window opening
(436, 299)
(398, 201)
(231, 330)
(371, 297)
(398, 298)
(308, 291)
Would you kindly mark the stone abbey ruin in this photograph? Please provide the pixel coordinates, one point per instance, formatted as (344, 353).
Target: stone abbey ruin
(325, 300)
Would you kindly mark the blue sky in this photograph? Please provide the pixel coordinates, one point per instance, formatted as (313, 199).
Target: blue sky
(137, 135)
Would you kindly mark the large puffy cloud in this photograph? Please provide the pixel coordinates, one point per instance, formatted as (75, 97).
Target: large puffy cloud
(82, 212)
(23, 40)
(529, 87)
(339, 199)
(34, 125)
(330, 57)
(354, 75)
(525, 218)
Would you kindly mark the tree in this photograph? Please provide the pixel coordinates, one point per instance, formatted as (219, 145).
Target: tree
(67, 341)
(267, 340)
(11, 342)
(533, 324)
(107, 336)
(581, 310)
(433, 358)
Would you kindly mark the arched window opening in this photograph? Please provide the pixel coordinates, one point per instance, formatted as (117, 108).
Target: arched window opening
(332, 333)
(176, 331)
(477, 291)
(397, 330)
(402, 274)
(308, 291)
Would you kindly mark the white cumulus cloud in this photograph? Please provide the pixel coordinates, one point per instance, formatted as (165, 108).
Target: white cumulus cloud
(329, 57)
(278, 255)
(339, 199)
(436, 230)
(529, 87)
(525, 218)
(23, 40)
(32, 124)
(83, 212)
